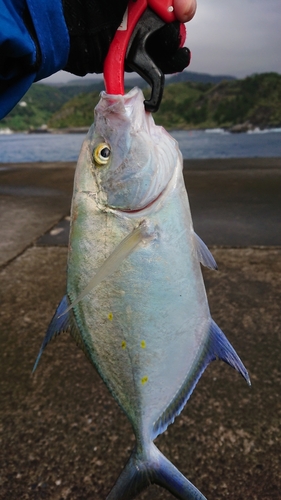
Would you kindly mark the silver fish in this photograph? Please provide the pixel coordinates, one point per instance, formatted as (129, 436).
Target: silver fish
(136, 301)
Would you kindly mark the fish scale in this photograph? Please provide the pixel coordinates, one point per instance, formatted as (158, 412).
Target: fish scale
(136, 301)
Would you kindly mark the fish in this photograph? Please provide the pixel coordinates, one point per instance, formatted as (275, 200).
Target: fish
(136, 301)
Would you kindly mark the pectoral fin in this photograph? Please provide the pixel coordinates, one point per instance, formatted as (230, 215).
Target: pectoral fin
(204, 254)
(112, 263)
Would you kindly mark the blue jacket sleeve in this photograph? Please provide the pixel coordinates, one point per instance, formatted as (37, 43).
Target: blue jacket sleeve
(34, 44)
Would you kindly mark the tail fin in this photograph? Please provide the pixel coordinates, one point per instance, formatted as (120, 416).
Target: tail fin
(151, 467)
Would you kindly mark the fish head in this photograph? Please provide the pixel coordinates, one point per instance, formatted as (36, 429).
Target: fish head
(131, 159)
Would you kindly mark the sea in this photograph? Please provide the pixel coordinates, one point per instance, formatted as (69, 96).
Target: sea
(213, 143)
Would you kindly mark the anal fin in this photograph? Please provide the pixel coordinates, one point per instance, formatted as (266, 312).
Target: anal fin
(222, 349)
(217, 347)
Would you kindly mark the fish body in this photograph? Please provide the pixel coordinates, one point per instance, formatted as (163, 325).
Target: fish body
(136, 301)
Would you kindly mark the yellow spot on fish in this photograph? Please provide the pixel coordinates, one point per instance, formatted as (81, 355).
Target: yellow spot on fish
(123, 344)
(143, 344)
(144, 380)
(110, 316)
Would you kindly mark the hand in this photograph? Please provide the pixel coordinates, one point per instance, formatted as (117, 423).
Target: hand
(166, 46)
(92, 24)
(184, 10)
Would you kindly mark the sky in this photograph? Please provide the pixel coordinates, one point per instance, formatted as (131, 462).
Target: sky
(229, 37)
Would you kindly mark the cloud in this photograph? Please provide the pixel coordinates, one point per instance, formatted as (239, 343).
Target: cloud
(237, 37)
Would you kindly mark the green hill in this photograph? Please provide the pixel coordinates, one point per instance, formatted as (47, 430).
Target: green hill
(256, 99)
(253, 102)
(190, 76)
(36, 107)
(78, 112)
(40, 103)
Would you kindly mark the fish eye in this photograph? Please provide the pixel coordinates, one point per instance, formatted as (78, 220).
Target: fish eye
(101, 154)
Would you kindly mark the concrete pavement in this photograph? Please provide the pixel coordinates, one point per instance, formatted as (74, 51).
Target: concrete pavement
(236, 202)
(62, 436)
(233, 202)
(33, 197)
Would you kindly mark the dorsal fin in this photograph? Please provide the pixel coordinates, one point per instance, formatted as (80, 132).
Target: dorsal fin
(58, 324)
(62, 322)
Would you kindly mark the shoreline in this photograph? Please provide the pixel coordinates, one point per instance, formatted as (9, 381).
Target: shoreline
(189, 164)
(235, 129)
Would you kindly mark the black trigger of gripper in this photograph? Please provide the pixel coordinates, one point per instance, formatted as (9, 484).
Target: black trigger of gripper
(138, 59)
